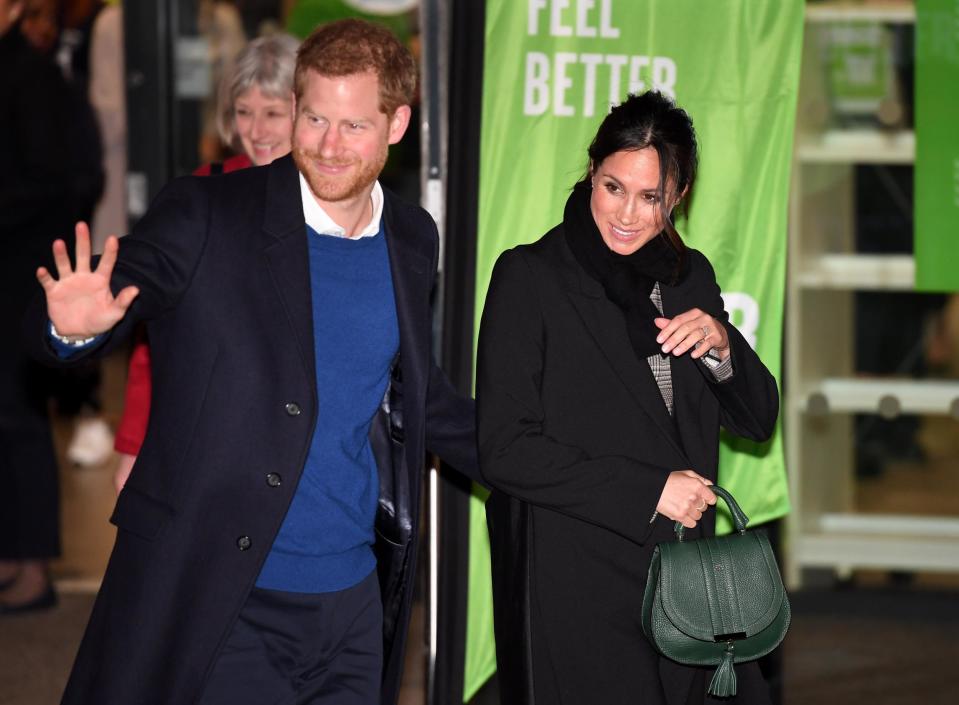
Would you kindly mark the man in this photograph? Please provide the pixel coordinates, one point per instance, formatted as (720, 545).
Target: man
(289, 318)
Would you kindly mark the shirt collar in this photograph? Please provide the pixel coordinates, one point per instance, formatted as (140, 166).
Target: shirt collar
(321, 222)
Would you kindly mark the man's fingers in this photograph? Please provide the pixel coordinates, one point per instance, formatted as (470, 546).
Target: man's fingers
(45, 278)
(125, 298)
(109, 256)
(61, 259)
(83, 247)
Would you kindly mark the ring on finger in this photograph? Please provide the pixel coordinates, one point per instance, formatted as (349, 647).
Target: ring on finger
(703, 508)
(705, 330)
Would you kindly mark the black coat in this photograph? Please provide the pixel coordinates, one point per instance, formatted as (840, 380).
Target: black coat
(223, 271)
(577, 443)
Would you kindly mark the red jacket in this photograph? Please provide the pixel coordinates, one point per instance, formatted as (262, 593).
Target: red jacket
(136, 402)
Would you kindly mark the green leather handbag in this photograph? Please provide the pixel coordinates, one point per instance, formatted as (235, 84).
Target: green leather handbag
(716, 601)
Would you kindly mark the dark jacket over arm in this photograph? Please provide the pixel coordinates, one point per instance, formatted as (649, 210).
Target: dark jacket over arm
(517, 453)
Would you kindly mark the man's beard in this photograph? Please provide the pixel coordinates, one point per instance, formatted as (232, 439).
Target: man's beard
(338, 188)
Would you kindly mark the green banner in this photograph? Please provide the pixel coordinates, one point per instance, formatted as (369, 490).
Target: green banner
(552, 70)
(937, 145)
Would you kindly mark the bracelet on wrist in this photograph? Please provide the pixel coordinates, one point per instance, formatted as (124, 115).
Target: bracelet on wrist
(71, 340)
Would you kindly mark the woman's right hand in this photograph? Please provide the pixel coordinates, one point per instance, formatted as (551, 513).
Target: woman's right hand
(685, 497)
(79, 301)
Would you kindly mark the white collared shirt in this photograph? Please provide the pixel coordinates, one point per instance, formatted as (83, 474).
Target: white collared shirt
(321, 222)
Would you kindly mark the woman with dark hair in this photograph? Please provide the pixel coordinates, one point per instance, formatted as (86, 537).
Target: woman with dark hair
(606, 367)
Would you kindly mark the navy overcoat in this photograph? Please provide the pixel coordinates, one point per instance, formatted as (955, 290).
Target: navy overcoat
(223, 271)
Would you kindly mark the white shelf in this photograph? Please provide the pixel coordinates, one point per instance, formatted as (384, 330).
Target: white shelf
(905, 525)
(858, 272)
(886, 552)
(881, 541)
(861, 146)
(871, 11)
(869, 396)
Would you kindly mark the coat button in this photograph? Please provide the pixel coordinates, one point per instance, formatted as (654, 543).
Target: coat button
(274, 480)
(293, 409)
(243, 543)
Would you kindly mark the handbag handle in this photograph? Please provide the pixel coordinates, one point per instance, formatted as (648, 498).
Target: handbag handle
(739, 516)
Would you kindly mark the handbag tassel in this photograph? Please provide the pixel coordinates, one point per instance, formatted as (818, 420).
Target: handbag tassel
(723, 684)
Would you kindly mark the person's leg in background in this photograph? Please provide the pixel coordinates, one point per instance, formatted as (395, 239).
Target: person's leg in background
(29, 500)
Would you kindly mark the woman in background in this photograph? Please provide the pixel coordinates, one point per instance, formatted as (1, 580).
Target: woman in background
(606, 367)
(255, 117)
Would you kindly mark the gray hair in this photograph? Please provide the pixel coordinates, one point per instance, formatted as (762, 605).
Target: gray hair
(267, 63)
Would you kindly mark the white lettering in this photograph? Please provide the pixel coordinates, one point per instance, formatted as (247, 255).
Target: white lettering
(561, 24)
(606, 29)
(744, 314)
(590, 62)
(556, 28)
(583, 28)
(562, 83)
(615, 62)
(536, 93)
(664, 75)
(532, 24)
(636, 84)
(566, 83)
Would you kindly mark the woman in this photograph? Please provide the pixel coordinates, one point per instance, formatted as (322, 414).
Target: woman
(256, 119)
(606, 367)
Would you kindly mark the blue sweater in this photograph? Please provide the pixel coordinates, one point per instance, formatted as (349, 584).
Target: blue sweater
(325, 542)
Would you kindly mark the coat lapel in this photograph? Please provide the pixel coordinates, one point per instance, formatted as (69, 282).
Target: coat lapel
(409, 267)
(607, 326)
(287, 255)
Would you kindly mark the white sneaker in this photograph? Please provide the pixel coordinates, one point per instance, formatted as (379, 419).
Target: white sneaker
(92, 442)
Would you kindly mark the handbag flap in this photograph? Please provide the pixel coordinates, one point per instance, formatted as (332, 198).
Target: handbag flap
(727, 586)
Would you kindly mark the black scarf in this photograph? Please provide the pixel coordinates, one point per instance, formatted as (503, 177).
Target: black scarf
(627, 279)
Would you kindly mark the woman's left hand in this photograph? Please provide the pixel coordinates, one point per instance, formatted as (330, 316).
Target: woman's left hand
(695, 331)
